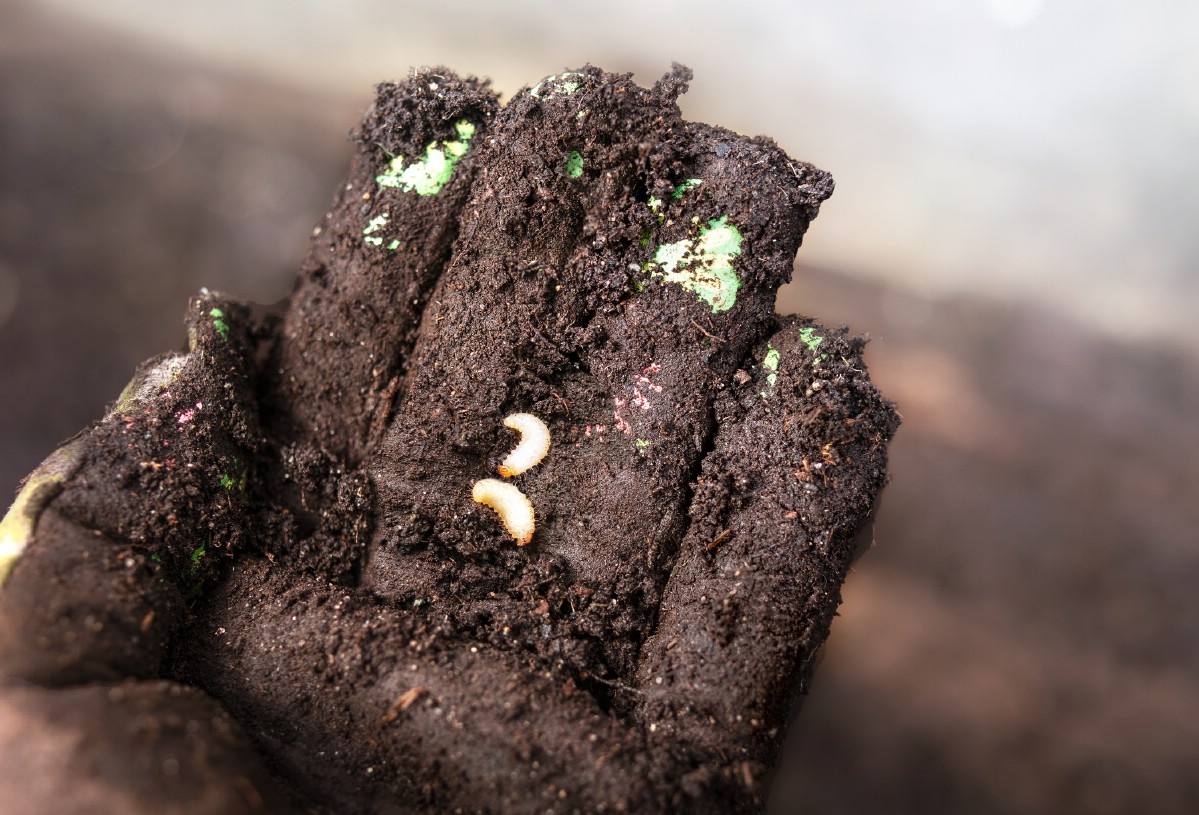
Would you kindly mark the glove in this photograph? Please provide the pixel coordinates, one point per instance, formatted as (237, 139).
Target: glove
(260, 583)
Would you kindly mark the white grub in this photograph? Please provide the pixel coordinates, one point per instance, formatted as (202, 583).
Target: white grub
(510, 504)
(534, 444)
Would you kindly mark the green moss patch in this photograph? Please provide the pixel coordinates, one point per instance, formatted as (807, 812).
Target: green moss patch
(428, 175)
(703, 265)
(574, 164)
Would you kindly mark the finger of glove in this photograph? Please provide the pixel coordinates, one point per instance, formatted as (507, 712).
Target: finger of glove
(116, 529)
(131, 747)
(561, 300)
(367, 710)
(798, 462)
(352, 317)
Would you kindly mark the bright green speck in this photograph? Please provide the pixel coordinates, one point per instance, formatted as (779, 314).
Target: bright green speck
(219, 324)
(811, 339)
(770, 363)
(394, 245)
(704, 265)
(429, 175)
(376, 224)
(574, 164)
(655, 206)
(686, 186)
(191, 572)
(642, 445)
(229, 482)
(156, 558)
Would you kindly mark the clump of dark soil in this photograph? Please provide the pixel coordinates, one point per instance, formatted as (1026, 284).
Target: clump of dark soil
(281, 516)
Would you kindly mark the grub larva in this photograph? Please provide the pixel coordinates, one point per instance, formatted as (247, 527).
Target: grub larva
(510, 504)
(534, 444)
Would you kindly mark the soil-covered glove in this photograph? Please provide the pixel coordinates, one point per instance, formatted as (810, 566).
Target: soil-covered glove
(263, 582)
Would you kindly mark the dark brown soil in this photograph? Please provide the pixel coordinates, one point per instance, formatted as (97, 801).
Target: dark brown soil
(282, 515)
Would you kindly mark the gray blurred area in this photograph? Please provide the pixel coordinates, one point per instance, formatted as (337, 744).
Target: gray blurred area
(1012, 226)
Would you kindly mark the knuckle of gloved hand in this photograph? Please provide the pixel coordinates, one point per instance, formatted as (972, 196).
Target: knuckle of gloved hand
(113, 534)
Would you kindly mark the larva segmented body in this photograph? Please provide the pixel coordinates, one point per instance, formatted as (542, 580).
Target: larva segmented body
(532, 448)
(514, 509)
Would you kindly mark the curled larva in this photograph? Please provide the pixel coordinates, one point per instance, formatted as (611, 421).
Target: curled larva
(534, 444)
(510, 504)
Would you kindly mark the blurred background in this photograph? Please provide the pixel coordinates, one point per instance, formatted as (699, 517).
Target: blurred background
(1017, 182)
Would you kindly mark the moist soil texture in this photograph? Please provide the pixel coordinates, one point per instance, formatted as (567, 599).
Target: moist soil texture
(281, 515)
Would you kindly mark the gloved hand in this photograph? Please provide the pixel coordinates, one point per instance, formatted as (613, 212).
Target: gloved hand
(260, 582)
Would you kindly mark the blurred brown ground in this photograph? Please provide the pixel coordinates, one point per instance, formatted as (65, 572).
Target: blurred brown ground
(1024, 637)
